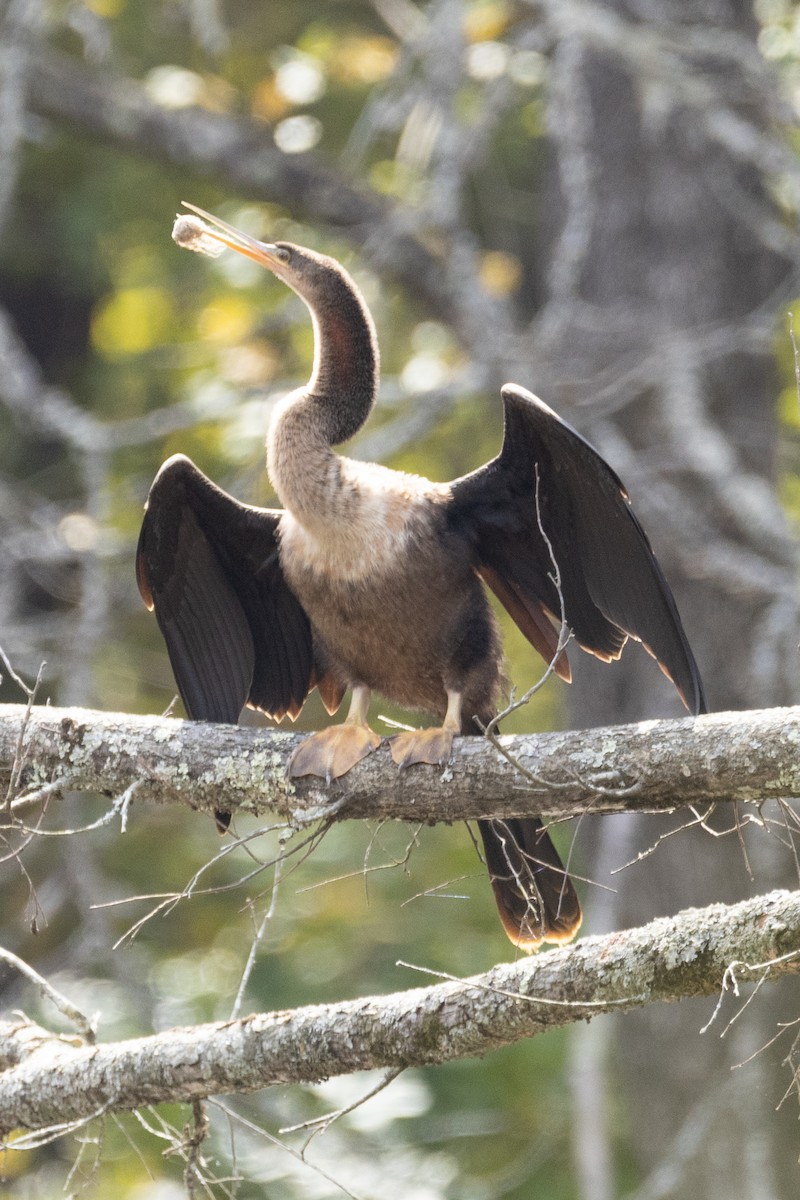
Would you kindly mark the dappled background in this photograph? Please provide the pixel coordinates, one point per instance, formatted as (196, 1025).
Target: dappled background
(595, 200)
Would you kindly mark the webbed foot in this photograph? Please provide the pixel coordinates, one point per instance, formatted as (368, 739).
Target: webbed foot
(432, 746)
(333, 752)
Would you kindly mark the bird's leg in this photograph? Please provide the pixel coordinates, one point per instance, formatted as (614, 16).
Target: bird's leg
(429, 745)
(332, 752)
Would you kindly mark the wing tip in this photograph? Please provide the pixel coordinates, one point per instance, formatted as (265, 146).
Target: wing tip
(698, 704)
(687, 681)
(516, 392)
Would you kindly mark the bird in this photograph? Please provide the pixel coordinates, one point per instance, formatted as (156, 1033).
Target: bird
(377, 580)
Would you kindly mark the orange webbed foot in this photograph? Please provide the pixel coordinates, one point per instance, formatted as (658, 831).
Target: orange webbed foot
(332, 752)
(433, 746)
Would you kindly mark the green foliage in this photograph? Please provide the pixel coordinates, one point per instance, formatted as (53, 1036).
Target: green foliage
(789, 412)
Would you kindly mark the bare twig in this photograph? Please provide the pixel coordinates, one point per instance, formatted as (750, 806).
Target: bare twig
(262, 1133)
(258, 934)
(84, 1026)
(31, 693)
(321, 1124)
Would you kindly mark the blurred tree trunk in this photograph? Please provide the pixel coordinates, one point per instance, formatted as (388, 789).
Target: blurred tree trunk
(665, 282)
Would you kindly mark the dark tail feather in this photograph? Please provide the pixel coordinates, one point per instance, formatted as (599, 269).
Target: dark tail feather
(534, 894)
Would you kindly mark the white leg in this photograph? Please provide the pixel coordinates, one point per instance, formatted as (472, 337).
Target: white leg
(452, 718)
(359, 706)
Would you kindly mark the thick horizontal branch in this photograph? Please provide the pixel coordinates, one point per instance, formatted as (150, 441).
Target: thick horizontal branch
(50, 1081)
(650, 766)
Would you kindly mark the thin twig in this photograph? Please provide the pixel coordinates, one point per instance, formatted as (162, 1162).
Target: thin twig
(321, 1124)
(484, 987)
(30, 692)
(251, 1127)
(256, 941)
(82, 1023)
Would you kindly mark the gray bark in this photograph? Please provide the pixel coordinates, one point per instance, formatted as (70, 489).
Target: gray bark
(48, 1081)
(646, 767)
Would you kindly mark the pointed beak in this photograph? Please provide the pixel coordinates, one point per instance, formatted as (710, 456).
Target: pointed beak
(264, 253)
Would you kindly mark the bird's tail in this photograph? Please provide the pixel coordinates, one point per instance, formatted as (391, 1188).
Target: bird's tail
(535, 896)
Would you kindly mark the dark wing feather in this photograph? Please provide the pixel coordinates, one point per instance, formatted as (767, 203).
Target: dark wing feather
(610, 581)
(234, 630)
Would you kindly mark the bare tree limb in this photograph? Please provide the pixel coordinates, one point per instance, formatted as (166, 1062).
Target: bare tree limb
(649, 766)
(49, 1081)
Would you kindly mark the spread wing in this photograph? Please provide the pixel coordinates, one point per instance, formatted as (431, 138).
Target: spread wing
(235, 632)
(610, 581)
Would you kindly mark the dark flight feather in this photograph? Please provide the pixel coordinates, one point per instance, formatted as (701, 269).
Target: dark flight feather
(234, 630)
(610, 581)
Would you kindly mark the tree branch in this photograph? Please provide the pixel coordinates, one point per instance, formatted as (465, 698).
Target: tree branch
(649, 766)
(50, 1081)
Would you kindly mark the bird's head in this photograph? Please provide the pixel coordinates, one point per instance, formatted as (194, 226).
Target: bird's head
(309, 274)
(346, 359)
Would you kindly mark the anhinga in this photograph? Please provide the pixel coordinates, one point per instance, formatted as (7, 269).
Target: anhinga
(374, 579)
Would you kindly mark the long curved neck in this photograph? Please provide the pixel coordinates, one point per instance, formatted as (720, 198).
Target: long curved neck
(331, 408)
(344, 380)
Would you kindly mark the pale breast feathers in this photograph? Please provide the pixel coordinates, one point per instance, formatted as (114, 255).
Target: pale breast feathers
(375, 518)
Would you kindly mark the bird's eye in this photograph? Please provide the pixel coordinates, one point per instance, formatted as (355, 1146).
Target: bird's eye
(283, 254)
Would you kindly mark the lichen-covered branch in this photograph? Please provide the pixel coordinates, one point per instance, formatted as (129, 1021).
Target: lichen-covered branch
(649, 766)
(49, 1080)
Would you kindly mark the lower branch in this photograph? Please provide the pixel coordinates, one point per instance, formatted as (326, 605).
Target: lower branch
(52, 1082)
